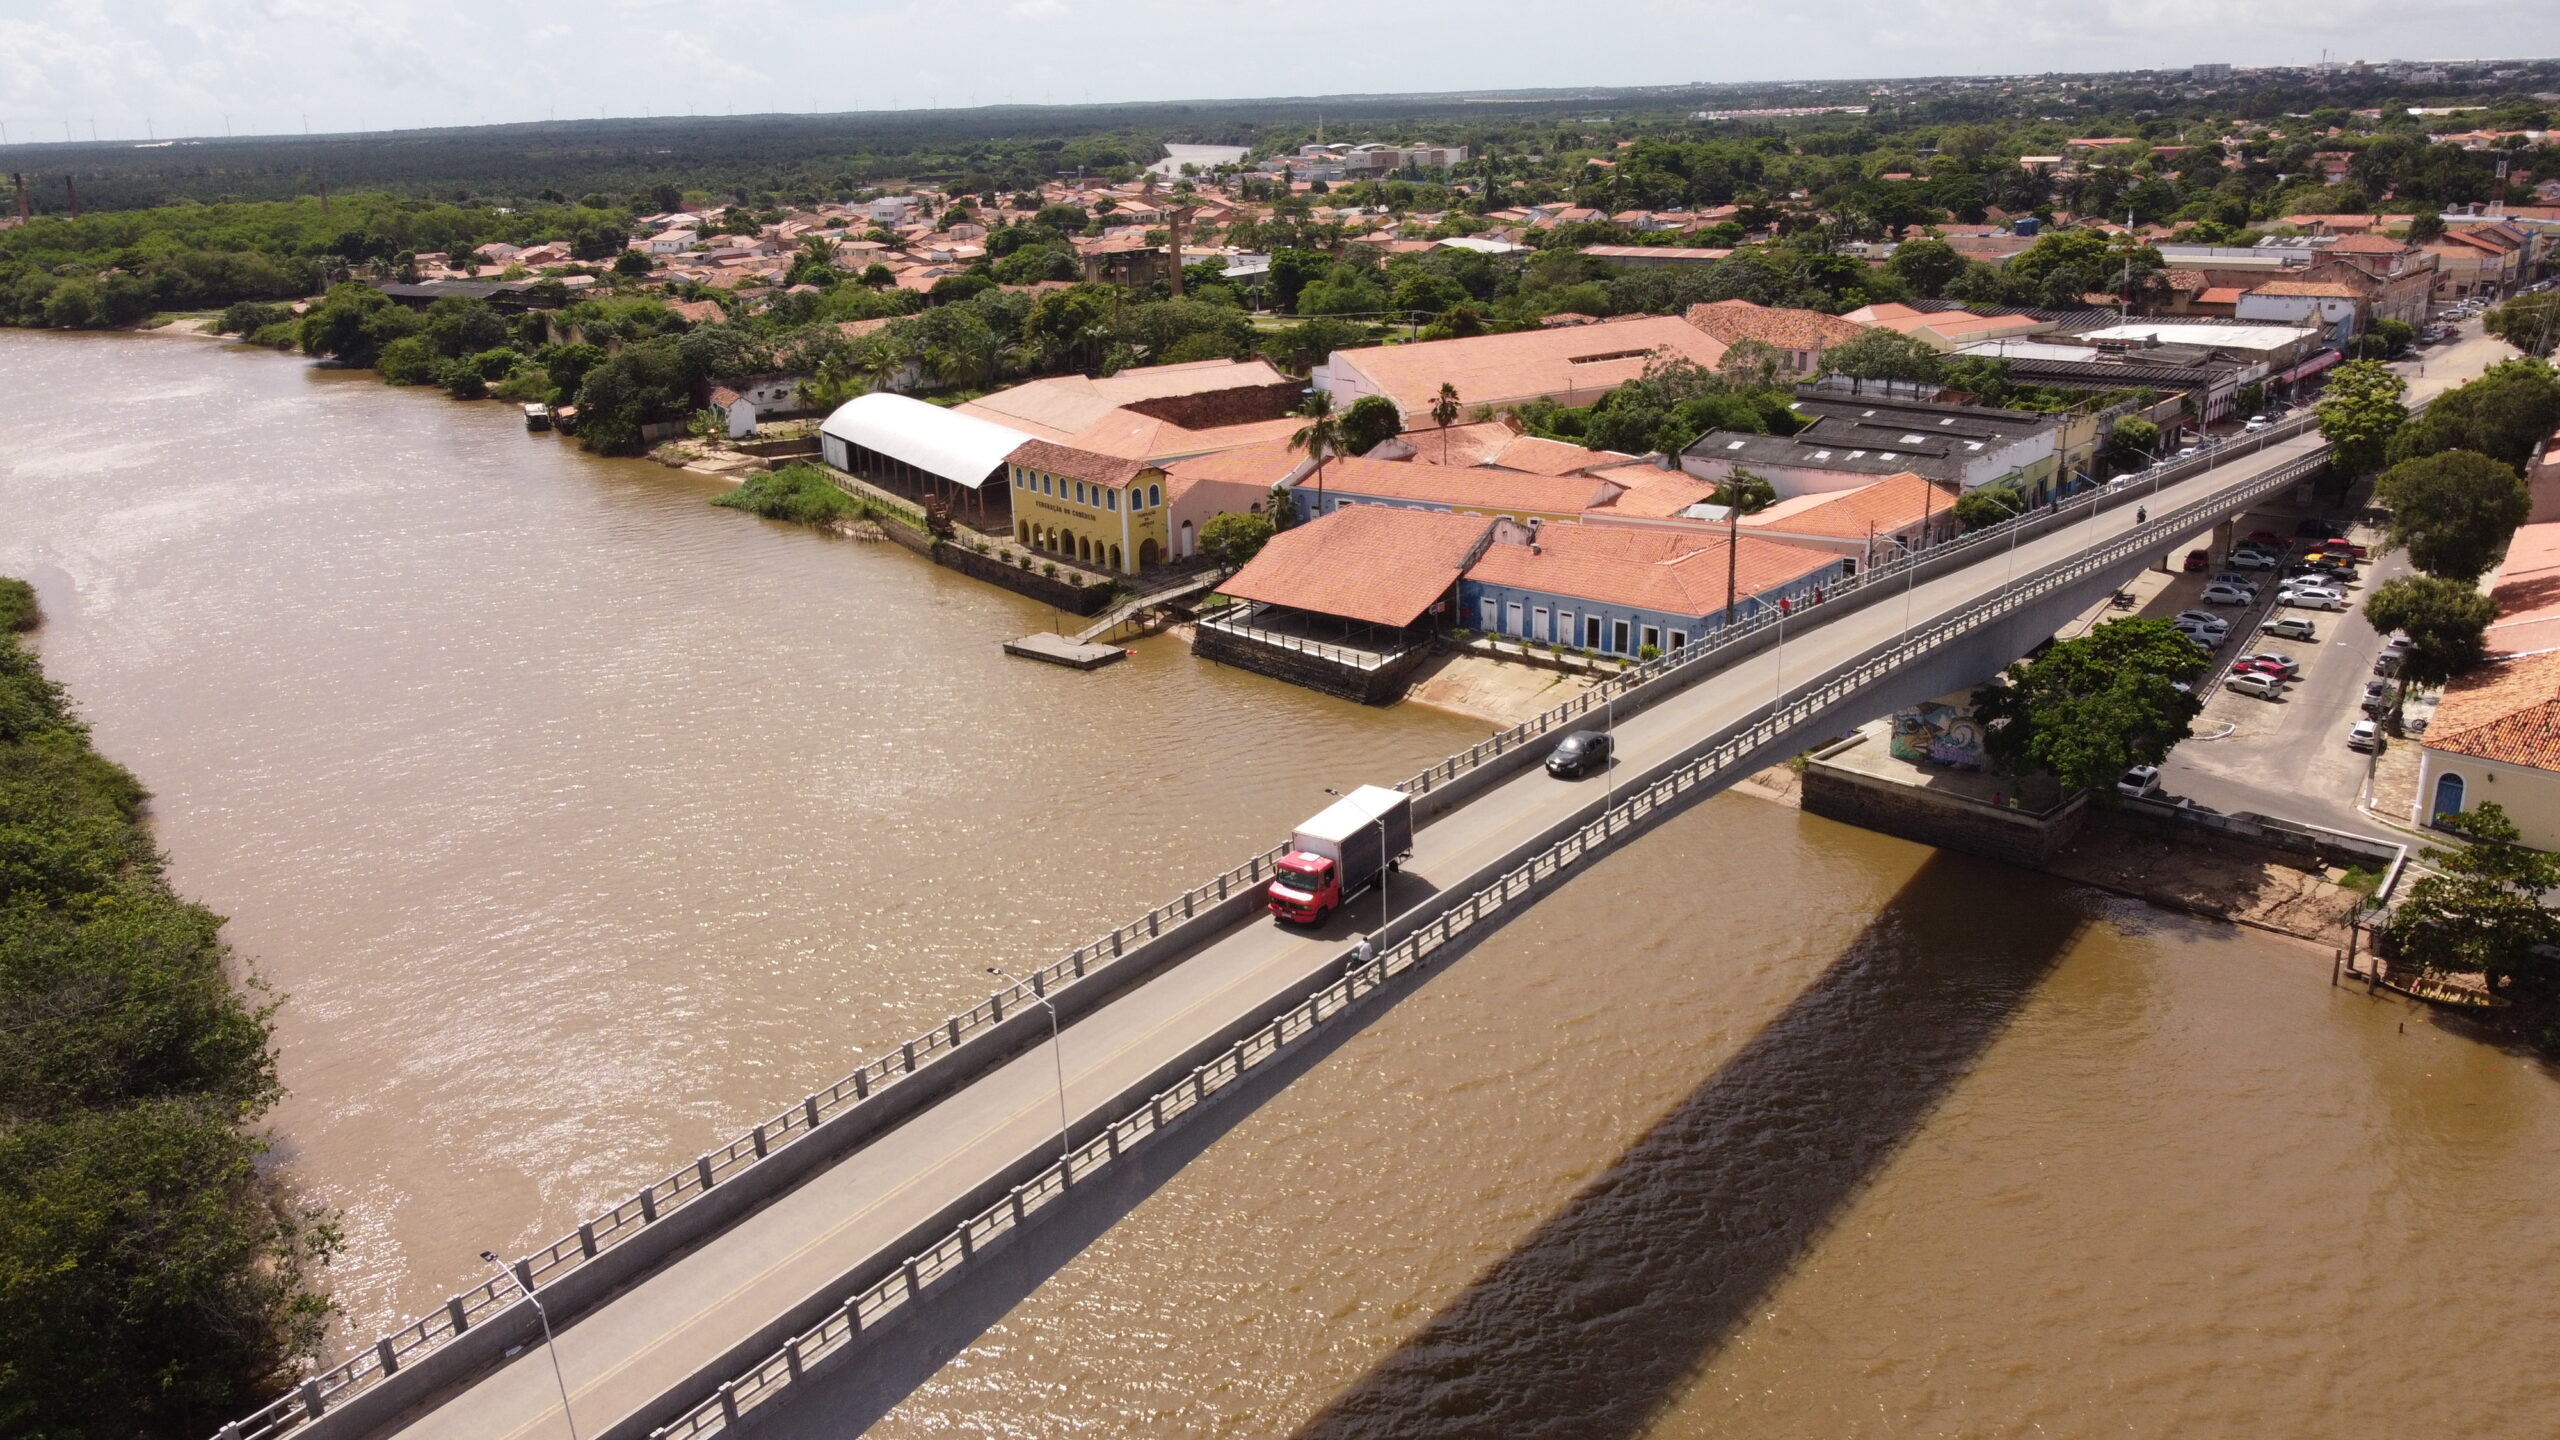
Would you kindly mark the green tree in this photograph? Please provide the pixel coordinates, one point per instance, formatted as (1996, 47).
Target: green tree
(1371, 420)
(409, 360)
(1282, 506)
(1444, 413)
(2131, 443)
(353, 323)
(1746, 489)
(1928, 265)
(2089, 708)
(2505, 414)
(2453, 512)
(568, 366)
(2447, 622)
(2531, 323)
(2480, 910)
(1321, 437)
(2360, 412)
(1233, 539)
(642, 384)
(1882, 354)
(2427, 224)
(1982, 508)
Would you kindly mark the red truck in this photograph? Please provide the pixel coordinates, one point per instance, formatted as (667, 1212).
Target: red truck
(1342, 852)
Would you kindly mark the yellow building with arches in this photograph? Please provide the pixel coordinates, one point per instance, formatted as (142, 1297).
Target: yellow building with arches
(1096, 510)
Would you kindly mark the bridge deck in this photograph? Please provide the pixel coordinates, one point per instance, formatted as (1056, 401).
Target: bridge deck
(694, 1315)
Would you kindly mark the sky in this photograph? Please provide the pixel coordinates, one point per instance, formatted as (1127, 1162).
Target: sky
(130, 70)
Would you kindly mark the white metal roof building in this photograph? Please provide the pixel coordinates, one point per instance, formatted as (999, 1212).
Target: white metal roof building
(916, 448)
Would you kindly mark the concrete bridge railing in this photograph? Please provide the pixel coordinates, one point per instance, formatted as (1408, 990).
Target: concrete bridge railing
(618, 1245)
(1714, 762)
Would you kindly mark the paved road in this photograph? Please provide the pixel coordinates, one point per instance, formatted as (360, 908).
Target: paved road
(625, 1355)
(2288, 757)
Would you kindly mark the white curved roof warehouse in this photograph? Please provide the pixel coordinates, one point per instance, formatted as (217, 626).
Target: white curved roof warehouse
(962, 449)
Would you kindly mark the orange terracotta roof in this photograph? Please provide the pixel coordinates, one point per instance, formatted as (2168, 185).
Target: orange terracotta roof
(1650, 492)
(2508, 711)
(1475, 443)
(2221, 295)
(1893, 503)
(1676, 572)
(1537, 455)
(2365, 245)
(1580, 361)
(1364, 562)
(1265, 463)
(2309, 289)
(1732, 321)
(1109, 470)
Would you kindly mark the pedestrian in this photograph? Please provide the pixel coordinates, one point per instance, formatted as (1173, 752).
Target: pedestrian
(2141, 515)
(1360, 953)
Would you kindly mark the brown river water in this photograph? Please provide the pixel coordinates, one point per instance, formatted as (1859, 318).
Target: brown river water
(581, 823)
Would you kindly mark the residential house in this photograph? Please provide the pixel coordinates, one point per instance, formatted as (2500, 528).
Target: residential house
(744, 404)
(1656, 257)
(670, 242)
(1097, 510)
(1200, 488)
(2496, 734)
(1574, 366)
(1944, 330)
(1874, 522)
(2398, 280)
(2481, 260)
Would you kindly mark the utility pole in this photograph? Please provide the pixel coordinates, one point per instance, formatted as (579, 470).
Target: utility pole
(1732, 541)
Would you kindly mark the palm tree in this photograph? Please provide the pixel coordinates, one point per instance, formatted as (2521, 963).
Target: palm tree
(1321, 437)
(1445, 410)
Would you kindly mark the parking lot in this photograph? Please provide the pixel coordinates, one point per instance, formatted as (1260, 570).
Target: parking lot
(2285, 755)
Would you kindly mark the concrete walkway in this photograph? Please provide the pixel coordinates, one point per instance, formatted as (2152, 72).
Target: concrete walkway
(698, 1320)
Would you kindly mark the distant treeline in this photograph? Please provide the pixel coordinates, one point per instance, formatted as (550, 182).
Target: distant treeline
(800, 159)
(154, 1281)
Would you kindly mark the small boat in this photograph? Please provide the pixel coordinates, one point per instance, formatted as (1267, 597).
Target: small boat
(537, 417)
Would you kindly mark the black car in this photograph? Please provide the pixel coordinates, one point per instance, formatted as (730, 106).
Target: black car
(1578, 754)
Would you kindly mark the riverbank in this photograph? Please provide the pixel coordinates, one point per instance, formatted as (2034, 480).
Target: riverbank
(159, 1276)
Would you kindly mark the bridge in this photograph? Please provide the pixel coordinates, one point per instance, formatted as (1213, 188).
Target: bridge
(772, 1282)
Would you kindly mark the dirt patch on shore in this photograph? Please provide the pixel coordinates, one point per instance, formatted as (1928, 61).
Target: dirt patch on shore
(2191, 873)
(1494, 691)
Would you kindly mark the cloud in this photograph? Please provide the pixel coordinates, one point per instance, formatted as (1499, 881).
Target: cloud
(1034, 10)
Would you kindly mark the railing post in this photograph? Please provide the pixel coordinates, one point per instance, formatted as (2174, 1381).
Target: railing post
(459, 1313)
(908, 1052)
(524, 1275)
(861, 1085)
(649, 1204)
(915, 1286)
(953, 1025)
(728, 1402)
(587, 1238)
(791, 1356)
(390, 1358)
(311, 1406)
(702, 1169)
(809, 1109)
(759, 1139)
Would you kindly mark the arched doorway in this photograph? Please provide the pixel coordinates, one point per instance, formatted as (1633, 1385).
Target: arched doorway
(1022, 531)
(1115, 557)
(1146, 552)
(1187, 545)
(1084, 548)
(2449, 788)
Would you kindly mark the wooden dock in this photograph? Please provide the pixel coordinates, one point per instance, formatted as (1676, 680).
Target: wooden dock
(1059, 650)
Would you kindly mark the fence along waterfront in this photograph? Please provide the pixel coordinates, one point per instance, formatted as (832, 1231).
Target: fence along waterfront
(620, 1224)
(868, 1309)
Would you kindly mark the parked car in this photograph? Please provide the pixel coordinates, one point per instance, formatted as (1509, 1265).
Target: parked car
(2139, 781)
(2255, 424)
(2386, 664)
(2265, 687)
(1579, 754)
(2397, 645)
(2314, 600)
(2289, 627)
(2205, 618)
(2228, 595)
(2262, 537)
(2198, 560)
(2348, 548)
(2255, 667)
(2284, 665)
(2255, 559)
(2365, 735)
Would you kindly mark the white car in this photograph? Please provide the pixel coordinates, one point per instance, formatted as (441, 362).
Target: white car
(2265, 687)
(2205, 618)
(2228, 595)
(2313, 599)
(2254, 560)
(2366, 736)
(2289, 627)
(2256, 424)
(2139, 781)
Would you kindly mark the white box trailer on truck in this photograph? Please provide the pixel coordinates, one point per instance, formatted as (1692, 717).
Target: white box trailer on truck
(1341, 852)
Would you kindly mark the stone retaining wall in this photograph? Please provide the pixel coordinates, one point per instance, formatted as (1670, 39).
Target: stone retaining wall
(1931, 817)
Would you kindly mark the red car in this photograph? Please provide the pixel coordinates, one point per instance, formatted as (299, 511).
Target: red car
(2268, 536)
(2260, 667)
(2343, 547)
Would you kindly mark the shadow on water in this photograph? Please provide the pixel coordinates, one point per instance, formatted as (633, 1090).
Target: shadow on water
(1599, 1320)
